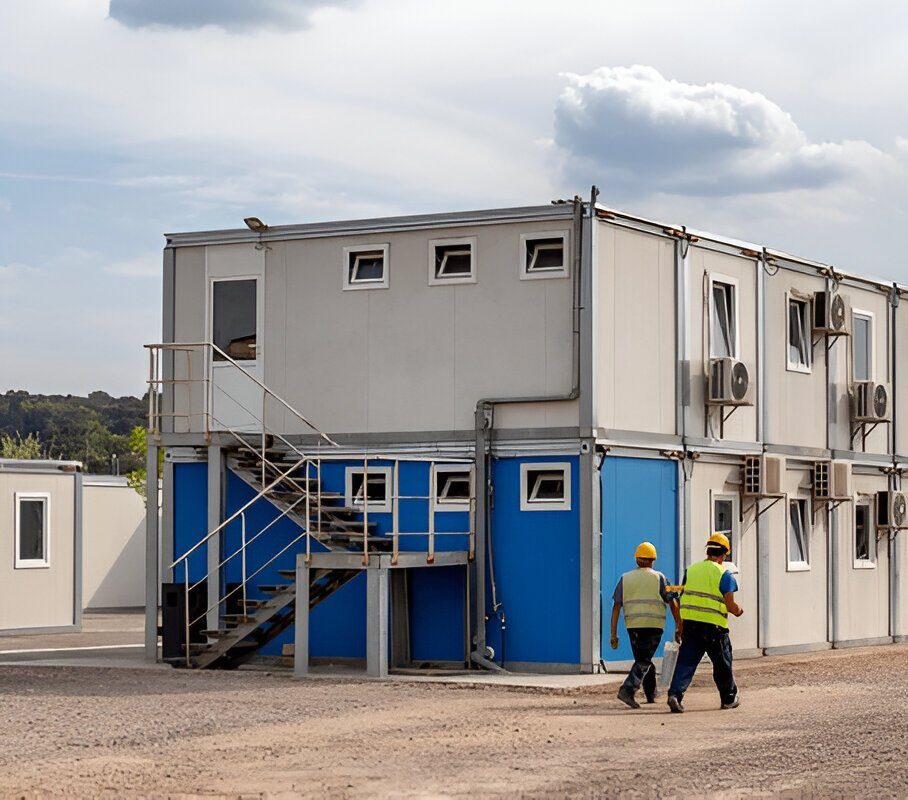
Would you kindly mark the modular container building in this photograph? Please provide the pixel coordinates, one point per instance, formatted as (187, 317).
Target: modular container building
(41, 539)
(437, 439)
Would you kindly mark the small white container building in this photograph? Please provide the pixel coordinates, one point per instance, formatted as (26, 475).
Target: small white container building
(471, 419)
(113, 553)
(40, 546)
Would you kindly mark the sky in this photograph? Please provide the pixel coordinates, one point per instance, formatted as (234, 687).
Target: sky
(785, 124)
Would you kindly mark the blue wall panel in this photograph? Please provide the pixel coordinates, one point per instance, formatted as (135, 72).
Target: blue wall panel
(437, 604)
(190, 517)
(639, 502)
(537, 568)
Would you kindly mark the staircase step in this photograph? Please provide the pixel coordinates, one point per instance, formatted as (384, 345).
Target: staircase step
(276, 588)
(237, 618)
(218, 633)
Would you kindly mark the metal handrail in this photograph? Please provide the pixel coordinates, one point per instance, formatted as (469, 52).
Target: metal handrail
(213, 348)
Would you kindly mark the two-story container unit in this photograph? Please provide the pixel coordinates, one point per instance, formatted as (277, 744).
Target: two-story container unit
(436, 440)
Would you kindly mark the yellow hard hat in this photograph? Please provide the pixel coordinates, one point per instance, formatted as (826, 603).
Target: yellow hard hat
(645, 550)
(719, 539)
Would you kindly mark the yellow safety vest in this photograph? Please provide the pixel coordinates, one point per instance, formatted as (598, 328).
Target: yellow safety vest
(701, 599)
(643, 604)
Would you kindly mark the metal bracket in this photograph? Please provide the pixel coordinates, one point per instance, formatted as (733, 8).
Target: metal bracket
(756, 505)
(861, 428)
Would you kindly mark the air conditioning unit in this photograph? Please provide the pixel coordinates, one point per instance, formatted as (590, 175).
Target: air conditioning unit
(832, 480)
(830, 313)
(891, 510)
(729, 383)
(870, 401)
(763, 476)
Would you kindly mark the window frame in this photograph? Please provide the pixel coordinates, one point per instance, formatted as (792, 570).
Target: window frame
(807, 528)
(563, 272)
(441, 280)
(871, 339)
(807, 329)
(733, 565)
(443, 505)
(726, 280)
(375, 507)
(528, 467)
(871, 562)
(384, 283)
(246, 363)
(32, 563)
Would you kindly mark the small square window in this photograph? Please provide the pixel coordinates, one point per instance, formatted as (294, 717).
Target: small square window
(545, 486)
(544, 255)
(799, 335)
(32, 530)
(452, 261)
(453, 487)
(798, 535)
(864, 537)
(378, 488)
(366, 267)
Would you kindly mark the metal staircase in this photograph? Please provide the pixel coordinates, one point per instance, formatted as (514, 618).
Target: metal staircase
(290, 480)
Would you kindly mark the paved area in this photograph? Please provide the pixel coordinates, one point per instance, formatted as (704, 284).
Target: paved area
(818, 725)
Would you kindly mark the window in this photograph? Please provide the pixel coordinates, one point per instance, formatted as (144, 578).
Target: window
(723, 338)
(366, 267)
(452, 487)
(798, 535)
(864, 537)
(378, 490)
(452, 261)
(32, 530)
(544, 254)
(545, 486)
(726, 519)
(799, 335)
(862, 346)
(234, 318)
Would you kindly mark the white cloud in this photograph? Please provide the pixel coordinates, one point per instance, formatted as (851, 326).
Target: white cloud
(5, 205)
(633, 127)
(146, 266)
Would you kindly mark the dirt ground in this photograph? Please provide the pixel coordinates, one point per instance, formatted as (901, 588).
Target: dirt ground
(818, 725)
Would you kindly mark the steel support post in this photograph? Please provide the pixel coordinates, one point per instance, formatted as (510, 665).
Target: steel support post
(301, 619)
(377, 602)
(151, 553)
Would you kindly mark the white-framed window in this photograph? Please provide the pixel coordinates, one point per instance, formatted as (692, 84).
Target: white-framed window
(32, 530)
(366, 266)
(452, 261)
(726, 518)
(723, 316)
(453, 487)
(862, 345)
(799, 527)
(864, 535)
(800, 349)
(545, 486)
(544, 254)
(380, 488)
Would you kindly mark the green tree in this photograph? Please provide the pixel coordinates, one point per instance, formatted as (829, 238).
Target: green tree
(16, 447)
(138, 446)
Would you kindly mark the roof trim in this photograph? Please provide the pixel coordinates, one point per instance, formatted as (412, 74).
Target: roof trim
(374, 225)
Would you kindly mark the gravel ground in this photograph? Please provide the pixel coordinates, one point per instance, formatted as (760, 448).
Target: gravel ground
(817, 725)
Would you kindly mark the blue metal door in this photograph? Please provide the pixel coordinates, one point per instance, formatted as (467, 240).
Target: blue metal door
(638, 503)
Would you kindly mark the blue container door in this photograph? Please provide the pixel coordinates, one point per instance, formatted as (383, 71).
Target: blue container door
(639, 503)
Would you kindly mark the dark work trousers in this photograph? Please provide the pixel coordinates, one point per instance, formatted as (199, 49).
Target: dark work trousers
(644, 643)
(697, 639)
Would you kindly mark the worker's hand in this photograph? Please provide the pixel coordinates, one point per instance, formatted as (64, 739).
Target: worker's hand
(739, 612)
(678, 634)
(614, 642)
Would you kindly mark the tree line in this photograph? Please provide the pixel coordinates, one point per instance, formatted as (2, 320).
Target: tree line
(98, 430)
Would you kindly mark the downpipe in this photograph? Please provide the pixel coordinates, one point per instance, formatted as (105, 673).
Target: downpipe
(484, 425)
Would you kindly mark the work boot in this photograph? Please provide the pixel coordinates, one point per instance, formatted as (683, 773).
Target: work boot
(733, 703)
(675, 705)
(626, 696)
(651, 698)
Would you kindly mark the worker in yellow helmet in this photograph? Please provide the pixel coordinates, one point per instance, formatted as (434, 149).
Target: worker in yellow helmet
(708, 597)
(643, 595)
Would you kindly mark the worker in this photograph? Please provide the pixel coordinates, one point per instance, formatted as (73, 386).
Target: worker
(707, 598)
(643, 594)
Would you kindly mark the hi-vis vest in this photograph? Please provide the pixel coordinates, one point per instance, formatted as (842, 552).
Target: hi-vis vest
(701, 599)
(643, 605)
